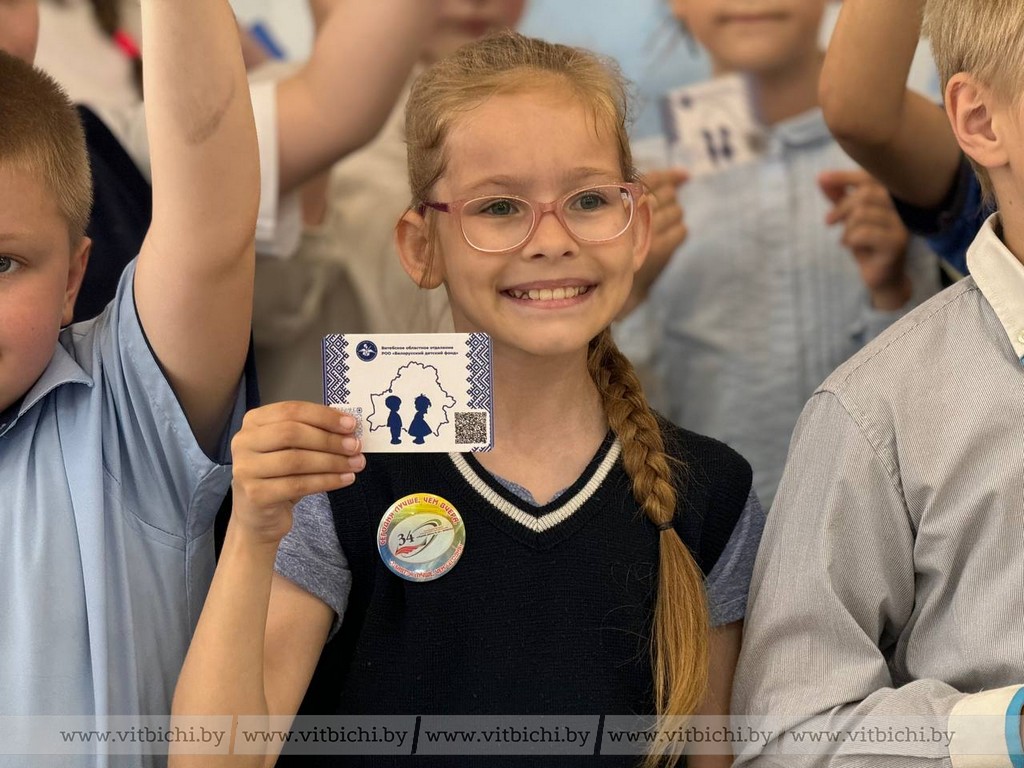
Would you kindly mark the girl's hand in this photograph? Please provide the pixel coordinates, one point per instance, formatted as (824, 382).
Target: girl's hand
(283, 452)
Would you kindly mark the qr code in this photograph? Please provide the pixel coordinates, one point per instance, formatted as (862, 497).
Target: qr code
(470, 427)
(356, 412)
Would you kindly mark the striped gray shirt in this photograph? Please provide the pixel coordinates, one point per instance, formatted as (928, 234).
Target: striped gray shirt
(890, 578)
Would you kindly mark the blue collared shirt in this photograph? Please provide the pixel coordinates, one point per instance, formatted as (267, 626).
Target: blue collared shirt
(107, 509)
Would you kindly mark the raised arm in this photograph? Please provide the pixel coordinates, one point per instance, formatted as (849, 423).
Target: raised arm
(898, 136)
(194, 279)
(363, 56)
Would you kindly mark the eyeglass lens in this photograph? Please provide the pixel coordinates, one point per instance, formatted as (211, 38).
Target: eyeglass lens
(497, 223)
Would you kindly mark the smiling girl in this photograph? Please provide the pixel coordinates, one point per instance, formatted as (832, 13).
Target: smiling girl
(607, 553)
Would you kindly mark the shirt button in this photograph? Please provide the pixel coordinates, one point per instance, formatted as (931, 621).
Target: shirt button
(1020, 337)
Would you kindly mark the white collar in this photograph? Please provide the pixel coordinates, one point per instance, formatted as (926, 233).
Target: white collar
(1000, 277)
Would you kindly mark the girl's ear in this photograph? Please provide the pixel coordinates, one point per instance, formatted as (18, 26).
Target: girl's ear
(413, 241)
(642, 230)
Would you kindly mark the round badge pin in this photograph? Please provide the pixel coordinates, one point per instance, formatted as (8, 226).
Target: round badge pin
(421, 537)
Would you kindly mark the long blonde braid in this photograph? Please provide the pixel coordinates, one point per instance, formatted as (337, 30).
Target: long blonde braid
(680, 631)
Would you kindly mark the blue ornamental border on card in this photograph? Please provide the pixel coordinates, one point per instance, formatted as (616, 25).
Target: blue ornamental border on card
(480, 378)
(335, 369)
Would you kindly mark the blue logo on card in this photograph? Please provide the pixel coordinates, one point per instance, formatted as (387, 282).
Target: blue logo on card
(366, 351)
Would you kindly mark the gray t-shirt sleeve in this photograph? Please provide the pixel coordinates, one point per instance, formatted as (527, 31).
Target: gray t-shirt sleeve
(729, 580)
(310, 556)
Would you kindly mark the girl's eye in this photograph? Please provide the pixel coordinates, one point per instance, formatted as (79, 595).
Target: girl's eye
(7, 265)
(591, 200)
(498, 207)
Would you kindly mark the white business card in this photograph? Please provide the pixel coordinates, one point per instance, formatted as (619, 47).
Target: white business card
(413, 392)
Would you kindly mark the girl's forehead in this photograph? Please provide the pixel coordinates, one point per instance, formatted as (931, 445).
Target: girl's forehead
(538, 129)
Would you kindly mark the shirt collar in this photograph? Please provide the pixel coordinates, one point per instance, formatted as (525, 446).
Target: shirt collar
(1000, 277)
(63, 369)
(806, 128)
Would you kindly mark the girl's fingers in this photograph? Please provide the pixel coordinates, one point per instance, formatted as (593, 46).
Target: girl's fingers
(321, 416)
(286, 435)
(294, 462)
(267, 494)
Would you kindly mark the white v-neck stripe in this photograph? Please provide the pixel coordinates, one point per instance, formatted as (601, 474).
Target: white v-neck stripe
(551, 519)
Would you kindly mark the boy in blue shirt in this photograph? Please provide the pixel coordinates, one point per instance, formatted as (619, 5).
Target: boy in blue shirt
(113, 432)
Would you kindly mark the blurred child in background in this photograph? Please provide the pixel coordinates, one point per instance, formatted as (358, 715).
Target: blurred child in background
(767, 297)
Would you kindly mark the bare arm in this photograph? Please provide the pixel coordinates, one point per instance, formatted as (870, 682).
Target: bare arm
(260, 636)
(898, 136)
(724, 653)
(363, 55)
(193, 284)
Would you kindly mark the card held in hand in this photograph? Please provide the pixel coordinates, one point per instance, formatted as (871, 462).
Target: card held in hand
(413, 392)
(711, 126)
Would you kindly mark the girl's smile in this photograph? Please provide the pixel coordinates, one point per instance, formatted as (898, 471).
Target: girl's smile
(554, 293)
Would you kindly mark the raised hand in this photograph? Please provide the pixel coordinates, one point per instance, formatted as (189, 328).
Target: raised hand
(873, 232)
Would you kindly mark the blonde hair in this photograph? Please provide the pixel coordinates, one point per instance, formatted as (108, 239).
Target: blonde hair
(983, 38)
(507, 63)
(41, 134)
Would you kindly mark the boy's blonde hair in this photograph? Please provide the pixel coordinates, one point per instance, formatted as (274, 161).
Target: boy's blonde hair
(985, 39)
(511, 63)
(41, 134)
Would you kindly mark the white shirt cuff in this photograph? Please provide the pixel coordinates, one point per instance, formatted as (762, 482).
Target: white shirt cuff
(986, 729)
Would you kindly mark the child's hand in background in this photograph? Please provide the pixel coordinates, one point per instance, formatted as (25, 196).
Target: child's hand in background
(873, 232)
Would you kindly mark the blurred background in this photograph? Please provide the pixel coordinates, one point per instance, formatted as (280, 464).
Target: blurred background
(638, 33)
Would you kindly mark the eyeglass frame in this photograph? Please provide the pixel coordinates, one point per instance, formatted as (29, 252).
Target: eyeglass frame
(455, 207)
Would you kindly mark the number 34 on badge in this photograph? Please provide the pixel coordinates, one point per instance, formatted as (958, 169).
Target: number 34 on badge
(421, 537)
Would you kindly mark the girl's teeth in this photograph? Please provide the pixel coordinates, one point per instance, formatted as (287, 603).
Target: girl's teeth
(549, 294)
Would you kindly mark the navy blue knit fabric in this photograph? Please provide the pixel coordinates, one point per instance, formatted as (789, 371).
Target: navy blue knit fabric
(526, 623)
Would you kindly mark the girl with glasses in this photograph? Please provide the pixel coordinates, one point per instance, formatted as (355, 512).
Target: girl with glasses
(607, 552)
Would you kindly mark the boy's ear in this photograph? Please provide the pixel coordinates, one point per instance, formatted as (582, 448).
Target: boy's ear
(975, 116)
(413, 241)
(76, 272)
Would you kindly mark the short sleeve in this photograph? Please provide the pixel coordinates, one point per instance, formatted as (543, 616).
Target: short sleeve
(279, 226)
(729, 581)
(311, 557)
(951, 226)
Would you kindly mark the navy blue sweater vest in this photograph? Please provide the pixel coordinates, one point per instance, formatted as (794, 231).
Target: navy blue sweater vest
(528, 622)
